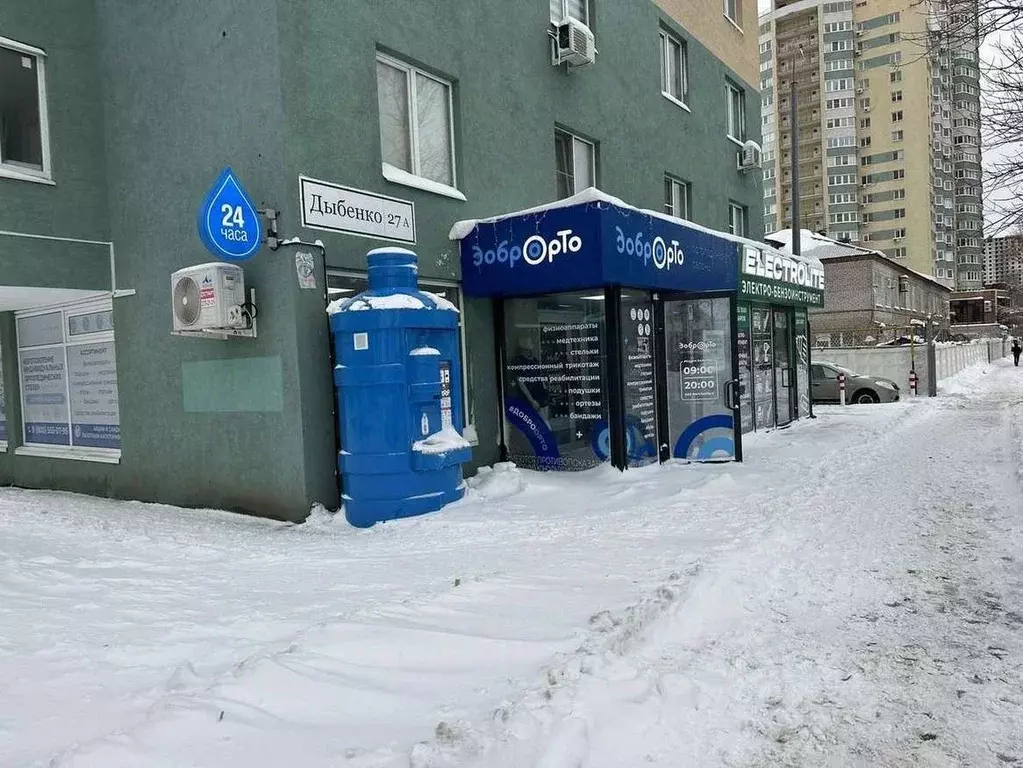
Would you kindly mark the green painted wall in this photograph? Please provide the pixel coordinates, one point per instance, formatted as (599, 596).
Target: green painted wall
(508, 100)
(278, 88)
(76, 205)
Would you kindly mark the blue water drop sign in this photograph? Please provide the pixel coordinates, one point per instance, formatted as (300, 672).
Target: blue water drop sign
(229, 226)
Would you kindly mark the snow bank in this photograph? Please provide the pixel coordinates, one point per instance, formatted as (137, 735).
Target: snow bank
(790, 610)
(501, 481)
(444, 441)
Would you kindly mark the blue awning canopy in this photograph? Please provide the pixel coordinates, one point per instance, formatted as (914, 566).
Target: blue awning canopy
(589, 241)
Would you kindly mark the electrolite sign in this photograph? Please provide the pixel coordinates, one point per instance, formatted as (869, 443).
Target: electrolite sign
(229, 225)
(776, 277)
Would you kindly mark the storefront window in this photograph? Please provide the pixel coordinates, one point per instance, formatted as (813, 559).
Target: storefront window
(69, 378)
(554, 381)
(803, 362)
(763, 367)
(745, 367)
(3, 405)
(638, 378)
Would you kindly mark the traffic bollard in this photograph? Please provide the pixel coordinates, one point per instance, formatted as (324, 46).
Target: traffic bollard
(841, 389)
(912, 383)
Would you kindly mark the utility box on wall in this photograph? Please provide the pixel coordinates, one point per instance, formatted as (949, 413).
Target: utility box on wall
(398, 384)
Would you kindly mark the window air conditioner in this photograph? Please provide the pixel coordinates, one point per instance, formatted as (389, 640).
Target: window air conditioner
(572, 43)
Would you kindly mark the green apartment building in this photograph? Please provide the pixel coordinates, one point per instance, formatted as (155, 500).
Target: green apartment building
(117, 116)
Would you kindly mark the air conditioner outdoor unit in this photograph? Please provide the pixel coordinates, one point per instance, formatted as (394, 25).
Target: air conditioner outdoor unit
(866, 109)
(859, 90)
(749, 156)
(210, 299)
(572, 43)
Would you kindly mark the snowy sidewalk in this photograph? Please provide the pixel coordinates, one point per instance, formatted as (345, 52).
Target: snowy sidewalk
(852, 594)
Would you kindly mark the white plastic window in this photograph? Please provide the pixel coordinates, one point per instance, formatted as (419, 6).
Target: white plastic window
(416, 122)
(24, 133)
(68, 374)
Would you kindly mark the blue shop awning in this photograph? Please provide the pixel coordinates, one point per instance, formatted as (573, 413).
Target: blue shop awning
(591, 240)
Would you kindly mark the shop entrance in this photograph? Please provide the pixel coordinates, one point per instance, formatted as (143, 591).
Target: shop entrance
(702, 393)
(783, 373)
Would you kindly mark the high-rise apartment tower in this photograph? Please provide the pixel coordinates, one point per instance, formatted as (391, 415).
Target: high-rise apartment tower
(888, 127)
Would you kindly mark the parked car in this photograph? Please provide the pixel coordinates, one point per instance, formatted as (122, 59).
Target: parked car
(859, 388)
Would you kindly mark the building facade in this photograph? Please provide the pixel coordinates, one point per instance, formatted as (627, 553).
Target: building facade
(869, 298)
(124, 113)
(1003, 260)
(871, 81)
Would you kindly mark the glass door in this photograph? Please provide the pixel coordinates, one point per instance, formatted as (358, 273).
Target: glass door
(638, 384)
(763, 368)
(783, 373)
(702, 390)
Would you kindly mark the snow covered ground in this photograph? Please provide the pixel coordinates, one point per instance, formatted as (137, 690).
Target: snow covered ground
(851, 595)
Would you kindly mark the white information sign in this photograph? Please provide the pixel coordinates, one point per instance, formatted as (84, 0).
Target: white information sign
(95, 415)
(44, 393)
(336, 208)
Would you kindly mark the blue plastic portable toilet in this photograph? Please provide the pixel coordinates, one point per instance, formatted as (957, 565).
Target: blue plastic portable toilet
(398, 384)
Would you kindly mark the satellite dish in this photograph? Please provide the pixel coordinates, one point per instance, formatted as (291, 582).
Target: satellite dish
(186, 301)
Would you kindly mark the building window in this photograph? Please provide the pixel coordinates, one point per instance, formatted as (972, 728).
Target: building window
(736, 112)
(896, 95)
(897, 116)
(574, 164)
(68, 375)
(674, 69)
(24, 135)
(897, 135)
(676, 197)
(737, 219)
(570, 9)
(733, 12)
(416, 123)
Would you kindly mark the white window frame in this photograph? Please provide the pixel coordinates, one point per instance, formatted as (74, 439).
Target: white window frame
(576, 141)
(412, 178)
(427, 284)
(736, 209)
(566, 15)
(667, 40)
(19, 172)
(680, 190)
(736, 9)
(731, 89)
(74, 452)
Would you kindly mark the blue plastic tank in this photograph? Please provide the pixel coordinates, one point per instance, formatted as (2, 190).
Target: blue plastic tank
(398, 383)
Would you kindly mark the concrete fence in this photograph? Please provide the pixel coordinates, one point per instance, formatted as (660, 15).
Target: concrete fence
(895, 363)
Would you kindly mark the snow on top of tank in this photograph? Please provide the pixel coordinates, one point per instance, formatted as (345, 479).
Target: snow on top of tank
(441, 302)
(364, 302)
(395, 249)
(421, 351)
